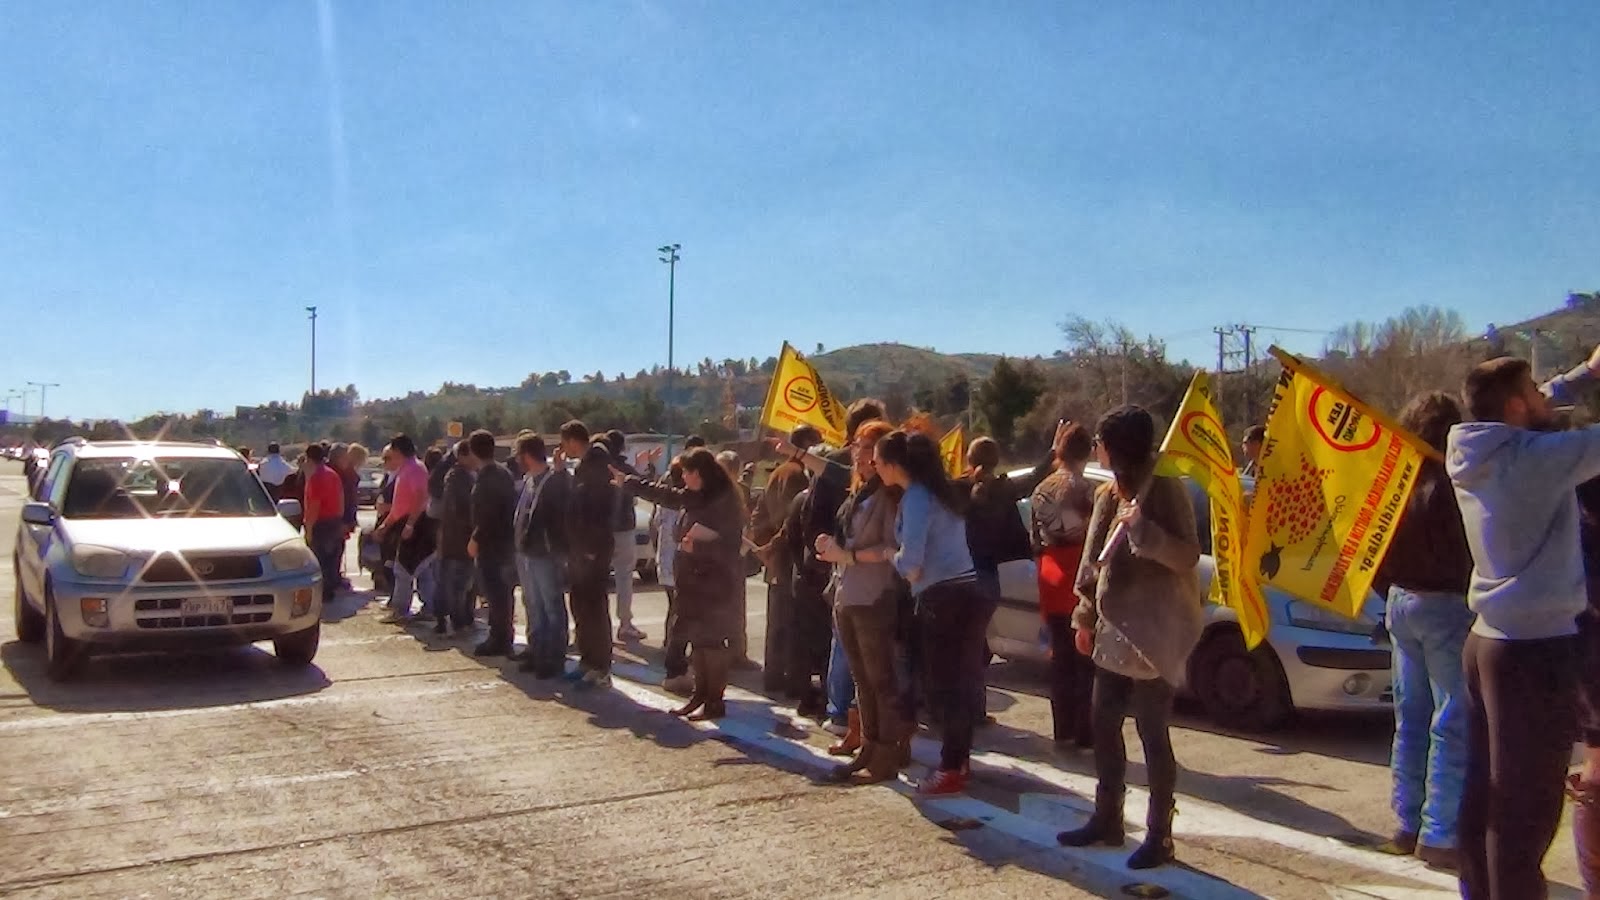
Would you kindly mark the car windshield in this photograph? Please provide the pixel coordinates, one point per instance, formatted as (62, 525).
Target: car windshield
(163, 487)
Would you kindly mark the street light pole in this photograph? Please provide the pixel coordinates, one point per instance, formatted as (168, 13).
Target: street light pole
(313, 311)
(43, 386)
(670, 257)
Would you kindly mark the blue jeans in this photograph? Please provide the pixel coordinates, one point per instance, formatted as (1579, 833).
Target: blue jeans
(327, 543)
(428, 583)
(451, 598)
(841, 686)
(546, 608)
(1429, 759)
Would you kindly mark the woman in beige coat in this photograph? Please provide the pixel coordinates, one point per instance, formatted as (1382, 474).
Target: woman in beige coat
(1139, 617)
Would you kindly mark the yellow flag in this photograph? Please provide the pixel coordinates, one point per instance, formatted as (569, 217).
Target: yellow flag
(797, 396)
(953, 450)
(1333, 480)
(1197, 447)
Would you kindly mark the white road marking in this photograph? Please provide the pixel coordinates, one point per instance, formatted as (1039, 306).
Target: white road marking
(1196, 817)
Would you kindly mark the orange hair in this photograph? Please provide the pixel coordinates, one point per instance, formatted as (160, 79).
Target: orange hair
(873, 431)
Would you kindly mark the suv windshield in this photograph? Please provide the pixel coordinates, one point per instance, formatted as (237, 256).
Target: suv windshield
(166, 487)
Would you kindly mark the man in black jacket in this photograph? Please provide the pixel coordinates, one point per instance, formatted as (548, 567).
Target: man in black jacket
(493, 545)
(541, 531)
(453, 508)
(625, 547)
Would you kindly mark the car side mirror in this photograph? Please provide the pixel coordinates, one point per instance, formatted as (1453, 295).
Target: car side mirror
(37, 513)
(290, 509)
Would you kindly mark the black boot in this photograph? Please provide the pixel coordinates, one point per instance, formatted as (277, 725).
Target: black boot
(1157, 848)
(1104, 826)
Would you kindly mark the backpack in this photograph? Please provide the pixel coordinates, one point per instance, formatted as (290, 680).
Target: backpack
(1057, 521)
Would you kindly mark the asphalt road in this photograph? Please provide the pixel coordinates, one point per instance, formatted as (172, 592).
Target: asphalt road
(401, 766)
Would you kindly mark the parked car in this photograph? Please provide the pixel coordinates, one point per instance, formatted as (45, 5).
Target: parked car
(147, 545)
(1311, 658)
(369, 486)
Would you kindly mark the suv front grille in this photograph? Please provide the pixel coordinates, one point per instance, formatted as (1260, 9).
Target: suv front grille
(168, 569)
(167, 612)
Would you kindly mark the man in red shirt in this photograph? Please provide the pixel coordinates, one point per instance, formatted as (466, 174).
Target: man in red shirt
(324, 515)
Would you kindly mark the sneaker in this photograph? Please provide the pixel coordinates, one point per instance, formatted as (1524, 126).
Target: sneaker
(630, 633)
(943, 783)
(594, 680)
(837, 729)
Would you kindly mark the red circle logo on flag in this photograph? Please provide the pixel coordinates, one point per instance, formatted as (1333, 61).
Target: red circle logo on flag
(1340, 424)
(801, 394)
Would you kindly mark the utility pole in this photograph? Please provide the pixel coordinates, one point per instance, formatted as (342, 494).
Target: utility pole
(1222, 349)
(11, 395)
(43, 386)
(670, 257)
(313, 311)
(1249, 375)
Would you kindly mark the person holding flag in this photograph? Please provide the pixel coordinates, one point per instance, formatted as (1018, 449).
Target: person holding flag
(1139, 618)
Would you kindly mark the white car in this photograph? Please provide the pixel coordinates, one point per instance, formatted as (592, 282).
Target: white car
(144, 545)
(1311, 659)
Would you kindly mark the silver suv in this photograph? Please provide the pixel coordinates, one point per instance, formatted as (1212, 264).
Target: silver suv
(160, 545)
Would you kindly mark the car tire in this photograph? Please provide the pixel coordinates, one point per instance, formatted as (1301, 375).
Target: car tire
(300, 648)
(1240, 689)
(29, 621)
(64, 657)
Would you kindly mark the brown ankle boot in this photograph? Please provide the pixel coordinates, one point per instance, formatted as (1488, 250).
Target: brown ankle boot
(697, 699)
(861, 763)
(718, 663)
(851, 742)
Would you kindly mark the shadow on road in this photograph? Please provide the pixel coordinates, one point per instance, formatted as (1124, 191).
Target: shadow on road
(145, 682)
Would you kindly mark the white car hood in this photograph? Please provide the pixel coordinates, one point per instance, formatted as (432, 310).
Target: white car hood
(257, 534)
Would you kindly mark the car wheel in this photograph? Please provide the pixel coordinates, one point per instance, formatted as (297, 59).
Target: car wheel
(1240, 689)
(300, 648)
(29, 621)
(64, 657)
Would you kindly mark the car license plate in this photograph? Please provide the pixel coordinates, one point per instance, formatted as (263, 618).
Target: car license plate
(207, 606)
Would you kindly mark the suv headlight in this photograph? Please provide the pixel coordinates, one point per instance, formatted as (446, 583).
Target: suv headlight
(292, 556)
(1303, 615)
(91, 561)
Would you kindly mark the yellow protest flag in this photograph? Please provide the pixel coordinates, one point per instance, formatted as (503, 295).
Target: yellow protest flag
(1197, 448)
(953, 450)
(797, 396)
(1333, 480)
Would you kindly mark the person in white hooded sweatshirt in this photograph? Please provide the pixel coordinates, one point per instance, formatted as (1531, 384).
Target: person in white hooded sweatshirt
(1515, 480)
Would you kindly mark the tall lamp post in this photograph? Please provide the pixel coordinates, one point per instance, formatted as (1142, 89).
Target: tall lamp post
(43, 386)
(669, 255)
(313, 311)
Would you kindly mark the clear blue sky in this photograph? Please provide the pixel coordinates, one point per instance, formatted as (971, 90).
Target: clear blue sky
(473, 191)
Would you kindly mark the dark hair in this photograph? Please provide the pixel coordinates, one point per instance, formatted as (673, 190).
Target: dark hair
(403, 444)
(274, 448)
(1078, 446)
(481, 443)
(575, 431)
(532, 445)
(859, 413)
(1255, 434)
(804, 437)
(617, 441)
(461, 450)
(1429, 416)
(918, 454)
(1491, 385)
(675, 472)
(714, 479)
(693, 441)
(316, 452)
(595, 468)
(432, 458)
(1129, 435)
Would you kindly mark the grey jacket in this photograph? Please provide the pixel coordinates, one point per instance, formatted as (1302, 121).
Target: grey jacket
(1147, 591)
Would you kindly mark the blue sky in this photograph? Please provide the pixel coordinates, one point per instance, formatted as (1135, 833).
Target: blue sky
(473, 191)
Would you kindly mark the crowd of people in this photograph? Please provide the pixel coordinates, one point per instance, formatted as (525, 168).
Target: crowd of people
(882, 573)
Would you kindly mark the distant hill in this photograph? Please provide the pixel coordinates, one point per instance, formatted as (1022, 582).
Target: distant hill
(875, 368)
